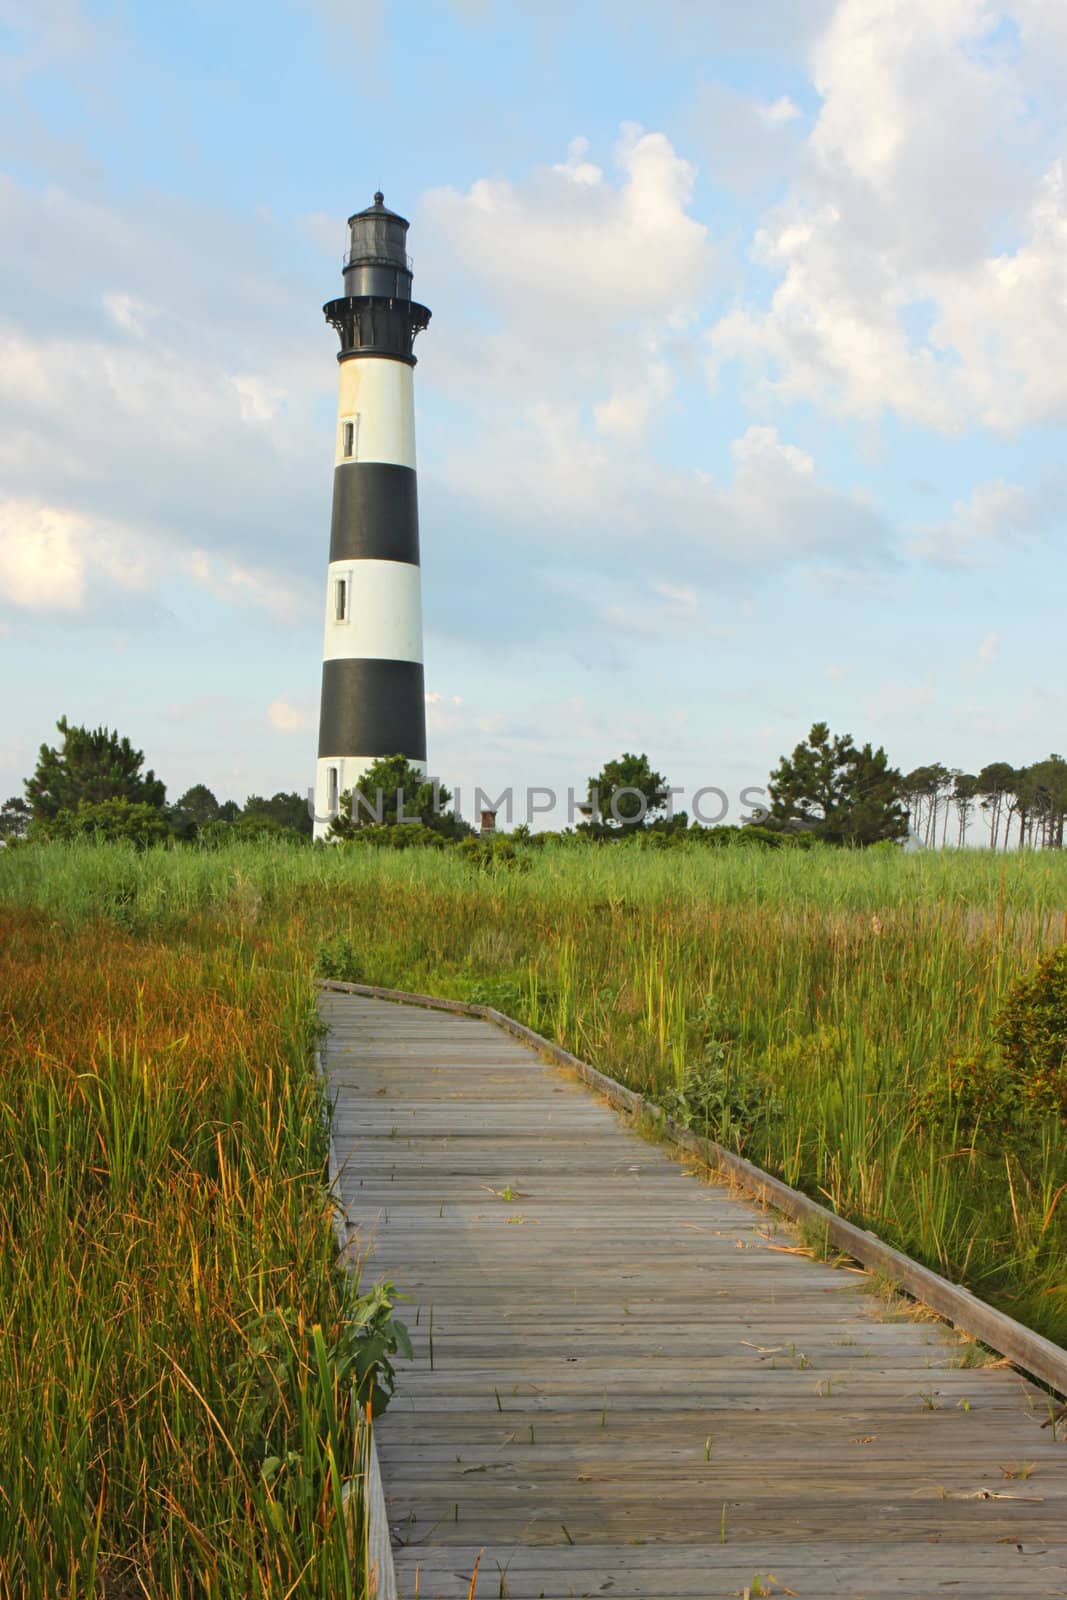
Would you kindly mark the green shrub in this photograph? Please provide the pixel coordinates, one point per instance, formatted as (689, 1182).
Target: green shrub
(114, 821)
(1032, 1034)
(503, 994)
(338, 958)
(394, 836)
(975, 1095)
(717, 1096)
(495, 853)
(218, 833)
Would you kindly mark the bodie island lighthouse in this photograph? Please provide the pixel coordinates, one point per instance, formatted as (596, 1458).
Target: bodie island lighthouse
(372, 681)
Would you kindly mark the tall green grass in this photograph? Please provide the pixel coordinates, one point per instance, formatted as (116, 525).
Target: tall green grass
(176, 1361)
(818, 1009)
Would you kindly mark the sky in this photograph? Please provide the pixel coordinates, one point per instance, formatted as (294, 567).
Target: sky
(742, 405)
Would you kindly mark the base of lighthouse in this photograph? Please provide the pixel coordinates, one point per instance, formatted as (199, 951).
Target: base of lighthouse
(334, 777)
(370, 705)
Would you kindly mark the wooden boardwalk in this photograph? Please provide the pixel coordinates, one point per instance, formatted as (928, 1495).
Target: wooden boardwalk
(626, 1385)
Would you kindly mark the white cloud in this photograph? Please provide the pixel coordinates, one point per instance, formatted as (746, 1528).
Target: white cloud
(897, 699)
(640, 609)
(54, 559)
(446, 713)
(576, 167)
(681, 599)
(779, 112)
(50, 556)
(989, 649)
(129, 313)
(259, 401)
(595, 498)
(586, 283)
(593, 280)
(566, 245)
(629, 409)
(42, 557)
(996, 514)
(745, 144)
(1006, 320)
(128, 402)
(922, 255)
(238, 584)
(287, 718)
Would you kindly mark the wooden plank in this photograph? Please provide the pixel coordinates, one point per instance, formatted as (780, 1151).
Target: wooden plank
(619, 1351)
(1021, 1345)
(682, 1574)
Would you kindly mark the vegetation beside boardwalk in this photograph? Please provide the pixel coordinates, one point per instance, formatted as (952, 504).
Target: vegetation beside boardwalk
(182, 1359)
(833, 1014)
(179, 1347)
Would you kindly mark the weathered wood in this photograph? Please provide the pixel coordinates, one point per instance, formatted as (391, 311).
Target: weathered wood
(621, 1350)
(957, 1304)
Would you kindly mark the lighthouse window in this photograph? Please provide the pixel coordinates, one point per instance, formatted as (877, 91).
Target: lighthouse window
(348, 439)
(340, 600)
(331, 791)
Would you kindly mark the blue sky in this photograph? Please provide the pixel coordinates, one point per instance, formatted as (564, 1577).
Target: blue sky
(742, 405)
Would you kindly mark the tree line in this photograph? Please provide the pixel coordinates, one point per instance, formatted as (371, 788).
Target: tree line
(93, 783)
(845, 791)
(1006, 805)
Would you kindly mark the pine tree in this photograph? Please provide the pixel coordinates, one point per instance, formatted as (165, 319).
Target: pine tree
(843, 793)
(626, 794)
(14, 818)
(288, 810)
(90, 765)
(392, 789)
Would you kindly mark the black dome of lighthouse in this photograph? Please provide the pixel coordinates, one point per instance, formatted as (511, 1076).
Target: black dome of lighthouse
(376, 314)
(378, 238)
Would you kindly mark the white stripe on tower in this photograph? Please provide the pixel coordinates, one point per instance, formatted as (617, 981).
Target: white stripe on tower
(373, 702)
(378, 397)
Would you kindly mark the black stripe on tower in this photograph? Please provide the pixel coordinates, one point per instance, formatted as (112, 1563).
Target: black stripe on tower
(372, 708)
(375, 513)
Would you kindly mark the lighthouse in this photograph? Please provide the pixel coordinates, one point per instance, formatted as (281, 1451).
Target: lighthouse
(373, 701)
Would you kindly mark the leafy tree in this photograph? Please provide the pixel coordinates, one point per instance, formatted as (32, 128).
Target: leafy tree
(926, 788)
(1041, 798)
(964, 795)
(15, 817)
(841, 792)
(134, 821)
(287, 810)
(192, 811)
(199, 804)
(90, 766)
(625, 795)
(391, 791)
(996, 783)
(1020, 806)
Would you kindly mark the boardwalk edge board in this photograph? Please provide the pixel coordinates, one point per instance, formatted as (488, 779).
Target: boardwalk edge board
(381, 1574)
(1030, 1351)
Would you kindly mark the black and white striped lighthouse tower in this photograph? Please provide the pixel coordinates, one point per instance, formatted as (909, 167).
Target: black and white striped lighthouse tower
(372, 681)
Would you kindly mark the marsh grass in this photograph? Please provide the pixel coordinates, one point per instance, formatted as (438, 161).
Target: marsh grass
(176, 1369)
(831, 996)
